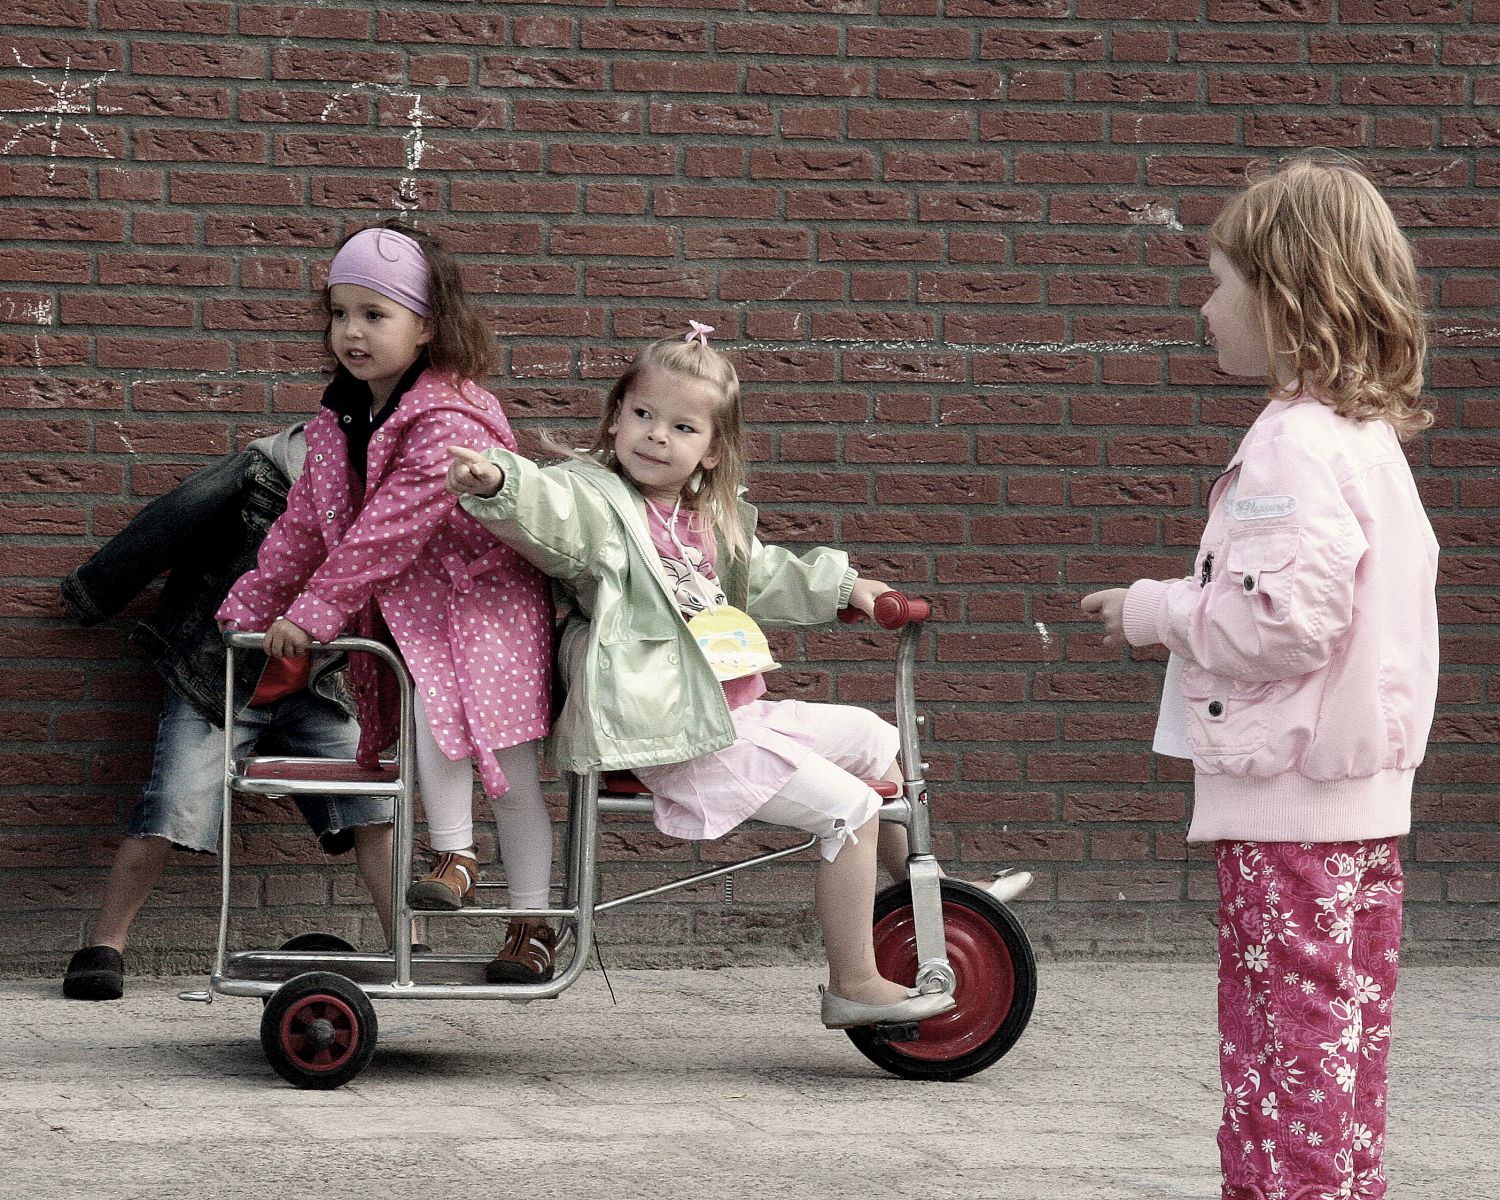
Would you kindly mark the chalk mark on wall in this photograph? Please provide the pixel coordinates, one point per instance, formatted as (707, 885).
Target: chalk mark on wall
(415, 137)
(65, 99)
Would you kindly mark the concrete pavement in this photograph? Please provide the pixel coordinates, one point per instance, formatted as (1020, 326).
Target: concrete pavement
(696, 1084)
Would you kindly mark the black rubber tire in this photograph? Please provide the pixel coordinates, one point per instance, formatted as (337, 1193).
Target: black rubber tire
(996, 984)
(318, 941)
(318, 1030)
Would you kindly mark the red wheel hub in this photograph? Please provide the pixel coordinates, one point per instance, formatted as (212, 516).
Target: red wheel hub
(319, 1033)
(985, 975)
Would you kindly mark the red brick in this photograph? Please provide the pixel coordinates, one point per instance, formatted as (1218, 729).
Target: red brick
(681, 75)
(812, 164)
(1319, 11)
(1238, 48)
(801, 39)
(295, 21)
(1085, 45)
(575, 116)
(937, 84)
(1401, 11)
(732, 120)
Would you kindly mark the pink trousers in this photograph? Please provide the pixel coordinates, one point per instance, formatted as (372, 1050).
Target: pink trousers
(1309, 940)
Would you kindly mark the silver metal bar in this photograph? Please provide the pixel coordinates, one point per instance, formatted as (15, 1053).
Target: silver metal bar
(403, 841)
(626, 806)
(927, 917)
(479, 911)
(313, 787)
(228, 986)
(913, 770)
(704, 876)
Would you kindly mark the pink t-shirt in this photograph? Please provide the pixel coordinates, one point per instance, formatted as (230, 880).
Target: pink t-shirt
(688, 561)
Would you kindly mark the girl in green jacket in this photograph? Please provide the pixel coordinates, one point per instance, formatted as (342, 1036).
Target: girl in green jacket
(665, 659)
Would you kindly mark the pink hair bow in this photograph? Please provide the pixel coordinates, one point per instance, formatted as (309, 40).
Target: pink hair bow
(698, 333)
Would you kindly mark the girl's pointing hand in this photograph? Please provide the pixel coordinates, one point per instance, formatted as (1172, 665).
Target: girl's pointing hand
(1109, 607)
(471, 474)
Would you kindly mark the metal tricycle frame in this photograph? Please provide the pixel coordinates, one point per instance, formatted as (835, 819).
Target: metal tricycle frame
(592, 794)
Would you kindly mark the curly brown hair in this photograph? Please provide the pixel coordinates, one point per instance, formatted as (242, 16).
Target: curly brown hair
(1335, 282)
(460, 348)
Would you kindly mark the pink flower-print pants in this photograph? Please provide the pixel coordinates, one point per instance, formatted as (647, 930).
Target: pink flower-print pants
(1309, 940)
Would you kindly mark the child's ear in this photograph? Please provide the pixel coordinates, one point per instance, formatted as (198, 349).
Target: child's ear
(426, 335)
(709, 461)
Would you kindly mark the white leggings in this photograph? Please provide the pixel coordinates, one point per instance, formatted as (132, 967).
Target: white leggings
(523, 830)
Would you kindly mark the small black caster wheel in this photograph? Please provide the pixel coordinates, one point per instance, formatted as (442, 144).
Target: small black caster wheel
(318, 941)
(318, 1030)
(996, 985)
(314, 942)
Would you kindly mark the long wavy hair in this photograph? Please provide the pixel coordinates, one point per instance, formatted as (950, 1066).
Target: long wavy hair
(714, 491)
(1335, 282)
(460, 348)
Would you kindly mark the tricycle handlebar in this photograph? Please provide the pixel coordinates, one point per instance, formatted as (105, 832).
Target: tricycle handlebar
(893, 610)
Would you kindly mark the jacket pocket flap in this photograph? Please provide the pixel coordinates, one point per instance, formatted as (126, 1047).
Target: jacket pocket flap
(1262, 550)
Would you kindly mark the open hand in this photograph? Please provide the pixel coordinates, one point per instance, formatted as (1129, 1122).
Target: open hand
(286, 640)
(471, 474)
(1109, 607)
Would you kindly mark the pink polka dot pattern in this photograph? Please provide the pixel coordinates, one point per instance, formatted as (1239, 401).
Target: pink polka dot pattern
(470, 616)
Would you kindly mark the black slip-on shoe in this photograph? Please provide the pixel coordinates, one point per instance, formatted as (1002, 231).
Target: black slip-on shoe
(95, 973)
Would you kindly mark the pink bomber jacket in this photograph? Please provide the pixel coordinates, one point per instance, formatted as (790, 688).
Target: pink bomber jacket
(1307, 632)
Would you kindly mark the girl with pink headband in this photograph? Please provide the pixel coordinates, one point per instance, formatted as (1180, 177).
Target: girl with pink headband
(373, 544)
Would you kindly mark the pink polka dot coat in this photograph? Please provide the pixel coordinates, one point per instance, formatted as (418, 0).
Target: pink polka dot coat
(470, 616)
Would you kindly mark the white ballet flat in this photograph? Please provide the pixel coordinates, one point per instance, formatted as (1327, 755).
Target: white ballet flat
(839, 1013)
(1008, 884)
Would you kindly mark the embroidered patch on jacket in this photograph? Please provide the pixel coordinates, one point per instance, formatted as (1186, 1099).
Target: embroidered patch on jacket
(1260, 508)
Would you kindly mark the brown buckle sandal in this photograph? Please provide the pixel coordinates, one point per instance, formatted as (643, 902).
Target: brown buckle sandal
(527, 956)
(450, 882)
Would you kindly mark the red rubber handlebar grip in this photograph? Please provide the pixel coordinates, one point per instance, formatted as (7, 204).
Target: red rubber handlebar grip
(892, 611)
(895, 609)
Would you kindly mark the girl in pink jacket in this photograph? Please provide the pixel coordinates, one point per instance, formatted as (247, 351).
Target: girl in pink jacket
(372, 543)
(1303, 673)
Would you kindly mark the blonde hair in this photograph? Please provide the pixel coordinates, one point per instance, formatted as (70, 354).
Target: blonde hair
(1336, 288)
(715, 492)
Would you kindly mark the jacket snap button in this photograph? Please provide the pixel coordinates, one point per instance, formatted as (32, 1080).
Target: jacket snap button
(671, 658)
(329, 514)
(1249, 583)
(317, 458)
(432, 691)
(1215, 708)
(347, 418)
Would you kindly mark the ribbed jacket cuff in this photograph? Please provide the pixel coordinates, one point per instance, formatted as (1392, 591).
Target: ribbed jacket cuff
(1143, 600)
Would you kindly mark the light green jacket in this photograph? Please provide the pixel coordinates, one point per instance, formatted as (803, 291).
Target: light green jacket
(639, 691)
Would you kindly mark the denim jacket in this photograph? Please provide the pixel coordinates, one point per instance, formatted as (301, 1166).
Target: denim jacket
(205, 533)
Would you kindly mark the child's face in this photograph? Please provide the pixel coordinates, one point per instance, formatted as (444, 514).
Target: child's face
(1234, 325)
(374, 338)
(664, 431)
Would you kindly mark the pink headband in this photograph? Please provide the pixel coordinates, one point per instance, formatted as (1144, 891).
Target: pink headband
(386, 262)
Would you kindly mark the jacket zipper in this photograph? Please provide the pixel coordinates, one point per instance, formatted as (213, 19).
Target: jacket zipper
(1208, 569)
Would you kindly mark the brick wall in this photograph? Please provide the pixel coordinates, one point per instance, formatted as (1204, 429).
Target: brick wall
(957, 250)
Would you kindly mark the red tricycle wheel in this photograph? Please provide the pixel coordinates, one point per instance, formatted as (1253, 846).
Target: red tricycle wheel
(318, 1030)
(996, 984)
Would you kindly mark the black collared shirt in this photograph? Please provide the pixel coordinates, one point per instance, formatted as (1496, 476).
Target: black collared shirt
(349, 399)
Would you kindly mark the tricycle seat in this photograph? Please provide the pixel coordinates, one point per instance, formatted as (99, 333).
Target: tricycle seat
(623, 783)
